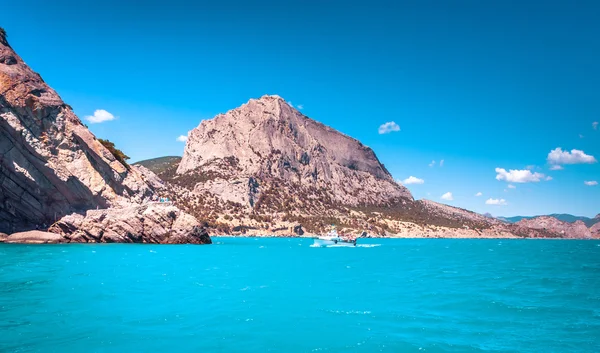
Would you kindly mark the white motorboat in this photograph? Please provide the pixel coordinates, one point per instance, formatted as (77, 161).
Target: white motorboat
(333, 239)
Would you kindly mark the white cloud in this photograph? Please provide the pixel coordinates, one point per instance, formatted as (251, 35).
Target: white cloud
(182, 138)
(591, 183)
(511, 186)
(595, 125)
(530, 167)
(300, 106)
(548, 178)
(556, 167)
(558, 156)
(432, 164)
(100, 116)
(479, 194)
(388, 127)
(413, 180)
(442, 163)
(518, 176)
(447, 196)
(497, 202)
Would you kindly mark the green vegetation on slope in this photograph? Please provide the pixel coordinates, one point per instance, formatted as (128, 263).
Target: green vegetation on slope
(119, 155)
(161, 165)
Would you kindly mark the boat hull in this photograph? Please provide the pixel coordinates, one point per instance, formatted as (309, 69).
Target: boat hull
(332, 242)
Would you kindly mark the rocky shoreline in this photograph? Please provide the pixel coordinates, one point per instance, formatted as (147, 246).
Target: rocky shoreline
(152, 223)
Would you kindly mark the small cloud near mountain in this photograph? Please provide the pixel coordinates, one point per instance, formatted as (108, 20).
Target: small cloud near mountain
(388, 127)
(182, 138)
(496, 202)
(299, 106)
(591, 183)
(447, 196)
(556, 167)
(479, 194)
(100, 116)
(558, 156)
(432, 164)
(511, 186)
(413, 180)
(518, 176)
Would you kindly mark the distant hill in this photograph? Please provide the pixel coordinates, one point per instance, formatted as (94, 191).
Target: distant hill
(161, 165)
(560, 216)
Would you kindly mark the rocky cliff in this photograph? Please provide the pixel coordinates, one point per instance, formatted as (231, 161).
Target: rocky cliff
(242, 156)
(50, 163)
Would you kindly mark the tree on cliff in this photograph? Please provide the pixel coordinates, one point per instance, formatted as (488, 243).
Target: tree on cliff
(119, 155)
(2, 34)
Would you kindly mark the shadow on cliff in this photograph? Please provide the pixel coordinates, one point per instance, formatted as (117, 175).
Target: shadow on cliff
(27, 204)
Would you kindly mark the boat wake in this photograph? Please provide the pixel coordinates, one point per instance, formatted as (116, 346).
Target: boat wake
(345, 246)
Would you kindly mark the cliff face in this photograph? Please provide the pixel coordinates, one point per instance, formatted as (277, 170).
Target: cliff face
(50, 163)
(267, 144)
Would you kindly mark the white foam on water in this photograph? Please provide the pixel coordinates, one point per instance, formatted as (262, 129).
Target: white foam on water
(345, 246)
(350, 312)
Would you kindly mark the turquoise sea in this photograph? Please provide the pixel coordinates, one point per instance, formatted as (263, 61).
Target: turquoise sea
(281, 295)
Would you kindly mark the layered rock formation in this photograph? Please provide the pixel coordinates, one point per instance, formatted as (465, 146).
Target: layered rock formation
(149, 223)
(50, 163)
(266, 144)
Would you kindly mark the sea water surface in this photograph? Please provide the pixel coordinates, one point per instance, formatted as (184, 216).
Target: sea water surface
(281, 295)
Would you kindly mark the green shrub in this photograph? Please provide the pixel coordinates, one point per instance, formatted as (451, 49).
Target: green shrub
(117, 153)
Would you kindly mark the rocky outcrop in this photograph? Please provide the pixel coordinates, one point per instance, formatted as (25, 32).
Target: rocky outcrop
(595, 230)
(556, 228)
(149, 223)
(50, 163)
(149, 177)
(34, 237)
(266, 144)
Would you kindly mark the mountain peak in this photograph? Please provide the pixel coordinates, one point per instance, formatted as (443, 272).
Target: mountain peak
(267, 139)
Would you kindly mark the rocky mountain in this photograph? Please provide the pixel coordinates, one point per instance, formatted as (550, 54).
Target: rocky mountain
(265, 168)
(50, 163)
(569, 218)
(246, 153)
(558, 228)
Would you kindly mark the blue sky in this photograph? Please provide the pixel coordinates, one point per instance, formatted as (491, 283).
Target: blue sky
(479, 84)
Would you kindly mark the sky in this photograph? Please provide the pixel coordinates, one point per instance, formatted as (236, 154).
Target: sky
(456, 98)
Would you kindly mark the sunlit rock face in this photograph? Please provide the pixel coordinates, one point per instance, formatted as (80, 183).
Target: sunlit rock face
(50, 163)
(266, 142)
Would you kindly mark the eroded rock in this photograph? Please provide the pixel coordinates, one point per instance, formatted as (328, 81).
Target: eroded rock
(149, 223)
(35, 237)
